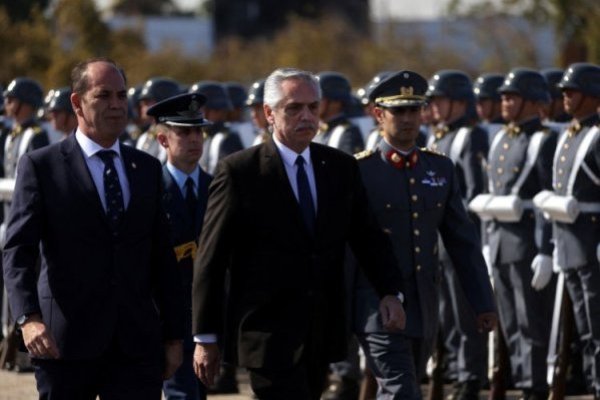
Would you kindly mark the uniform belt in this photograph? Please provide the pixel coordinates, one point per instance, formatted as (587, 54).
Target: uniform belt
(186, 250)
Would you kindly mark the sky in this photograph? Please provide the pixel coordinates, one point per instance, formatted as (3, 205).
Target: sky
(380, 9)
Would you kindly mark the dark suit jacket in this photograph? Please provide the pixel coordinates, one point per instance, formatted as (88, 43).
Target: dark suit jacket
(93, 287)
(286, 285)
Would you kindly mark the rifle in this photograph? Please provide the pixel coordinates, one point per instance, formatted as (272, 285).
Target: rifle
(498, 364)
(561, 335)
(435, 389)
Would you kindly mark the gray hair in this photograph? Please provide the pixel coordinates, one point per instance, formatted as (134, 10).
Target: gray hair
(273, 94)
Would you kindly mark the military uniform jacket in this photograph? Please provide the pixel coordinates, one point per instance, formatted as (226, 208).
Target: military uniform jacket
(412, 206)
(185, 231)
(341, 134)
(513, 242)
(577, 243)
(219, 141)
(286, 284)
(147, 142)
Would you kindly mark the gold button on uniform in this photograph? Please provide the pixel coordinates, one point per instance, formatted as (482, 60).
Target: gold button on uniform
(563, 158)
(516, 169)
(501, 158)
(415, 197)
(505, 146)
(417, 249)
(500, 171)
(388, 206)
(416, 232)
(560, 171)
(415, 215)
(559, 185)
(412, 181)
(566, 146)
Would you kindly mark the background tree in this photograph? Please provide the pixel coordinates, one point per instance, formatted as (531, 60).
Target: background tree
(143, 7)
(21, 10)
(575, 22)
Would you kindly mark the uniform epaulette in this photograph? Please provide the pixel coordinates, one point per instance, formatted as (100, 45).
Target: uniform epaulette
(37, 130)
(430, 151)
(364, 154)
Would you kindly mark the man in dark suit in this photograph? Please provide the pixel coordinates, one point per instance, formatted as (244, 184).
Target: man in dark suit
(105, 315)
(179, 125)
(279, 217)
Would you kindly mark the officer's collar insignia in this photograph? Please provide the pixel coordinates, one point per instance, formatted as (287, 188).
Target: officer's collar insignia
(512, 130)
(401, 161)
(574, 128)
(433, 180)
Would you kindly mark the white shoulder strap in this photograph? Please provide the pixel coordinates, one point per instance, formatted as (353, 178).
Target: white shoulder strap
(533, 149)
(458, 143)
(497, 138)
(215, 145)
(25, 141)
(336, 136)
(581, 152)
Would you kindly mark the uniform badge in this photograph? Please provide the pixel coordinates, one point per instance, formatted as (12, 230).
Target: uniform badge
(433, 180)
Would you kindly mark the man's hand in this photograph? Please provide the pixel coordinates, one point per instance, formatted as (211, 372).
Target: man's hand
(486, 322)
(392, 313)
(207, 362)
(38, 339)
(173, 357)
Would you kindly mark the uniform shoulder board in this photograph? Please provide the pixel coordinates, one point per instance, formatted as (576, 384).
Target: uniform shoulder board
(37, 130)
(430, 151)
(364, 154)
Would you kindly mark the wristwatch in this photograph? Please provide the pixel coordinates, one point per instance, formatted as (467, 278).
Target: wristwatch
(22, 319)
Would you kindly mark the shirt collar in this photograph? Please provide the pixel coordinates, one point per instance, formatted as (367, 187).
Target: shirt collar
(289, 156)
(181, 177)
(90, 147)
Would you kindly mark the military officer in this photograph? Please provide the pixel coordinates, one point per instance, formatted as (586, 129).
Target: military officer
(574, 208)
(154, 90)
(519, 167)
(220, 140)
(488, 102)
(179, 131)
(336, 129)
(457, 135)
(415, 194)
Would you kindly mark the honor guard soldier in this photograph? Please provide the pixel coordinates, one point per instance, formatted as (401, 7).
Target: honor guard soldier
(179, 124)
(134, 127)
(60, 112)
(457, 136)
(416, 195)
(237, 117)
(23, 97)
(257, 114)
(220, 140)
(519, 167)
(555, 115)
(574, 208)
(154, 91)
(336, 129)
(488, 102)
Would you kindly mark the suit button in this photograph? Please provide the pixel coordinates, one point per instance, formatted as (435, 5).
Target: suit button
(415, 215)
(416, 232)
(417, 249)
(388, 206)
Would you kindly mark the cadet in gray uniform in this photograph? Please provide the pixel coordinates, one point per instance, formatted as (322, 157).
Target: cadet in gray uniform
(154, 90)
(415, 194)
(255, 102)
(574, 207)
(219, 140)
(488, 102)
(60, 112)
(458, 137)
(520, 166)
(23, 97)
(237, 116)
(336, 129)
(555, 115)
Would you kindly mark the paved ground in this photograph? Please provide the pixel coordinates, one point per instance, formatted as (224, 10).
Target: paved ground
(15, 386)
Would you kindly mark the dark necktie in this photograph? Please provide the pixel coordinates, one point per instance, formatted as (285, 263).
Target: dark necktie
(112, 189)
(190, 197)
(304, 196)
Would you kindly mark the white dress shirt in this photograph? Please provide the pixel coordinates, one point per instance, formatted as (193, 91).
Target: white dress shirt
(96, 166)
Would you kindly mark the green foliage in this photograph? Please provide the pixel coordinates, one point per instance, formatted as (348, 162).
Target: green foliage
(21, 10)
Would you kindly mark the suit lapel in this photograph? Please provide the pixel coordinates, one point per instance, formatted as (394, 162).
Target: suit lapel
(323, 184)
(274, 170)
(80, 173)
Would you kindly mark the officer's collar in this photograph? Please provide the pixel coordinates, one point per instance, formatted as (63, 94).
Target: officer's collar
(593, 119)
(531, 125)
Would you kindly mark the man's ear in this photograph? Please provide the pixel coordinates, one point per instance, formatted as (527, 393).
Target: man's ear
(378, 113)
(269, 114)
(161, 136)
(76, 104)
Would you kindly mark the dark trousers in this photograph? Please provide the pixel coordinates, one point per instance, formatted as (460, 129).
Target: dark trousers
(185, 385)
(525, 316)
(583, 284)
(114, 376)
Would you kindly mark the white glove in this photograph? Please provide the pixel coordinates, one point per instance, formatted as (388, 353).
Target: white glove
(487, 257)
(542, 271)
